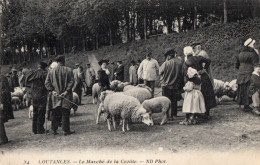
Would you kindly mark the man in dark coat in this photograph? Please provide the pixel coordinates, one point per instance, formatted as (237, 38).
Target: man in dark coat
(171, 78)
(254, 89)
(14, 77)
(36, 81)
(6, 111)
(119, 74)
(79, 82)
(60, 81)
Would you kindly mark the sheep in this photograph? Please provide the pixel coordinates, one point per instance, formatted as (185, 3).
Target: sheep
(125, 107)
(30, 112)
(75, 101)
(233, 92)
(16, 102)
(115, 85)
(118, 86)
(18, 92)
(221, 88)
(96, 90)
(101, 105)
(158, 105)
(141, 94)
(27, 99)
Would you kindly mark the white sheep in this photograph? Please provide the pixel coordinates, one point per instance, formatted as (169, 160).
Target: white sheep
(75, 101)
(158, 105)
(16, 102)
(125, 107)
(141, 94)
(96, 90)
(221, 88)
(30, 112)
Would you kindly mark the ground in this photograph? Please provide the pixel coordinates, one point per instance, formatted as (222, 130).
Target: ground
(230, 129)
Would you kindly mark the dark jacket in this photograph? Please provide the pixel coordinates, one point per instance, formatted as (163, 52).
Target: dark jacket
(36, 81)
(7, 111)
(171, 74)
(103, 79)
(120, 73)
(245, 64)
(60, 79)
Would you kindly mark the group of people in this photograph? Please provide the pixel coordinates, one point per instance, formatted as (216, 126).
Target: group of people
(52, 85)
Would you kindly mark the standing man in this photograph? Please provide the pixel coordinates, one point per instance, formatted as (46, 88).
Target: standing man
(79, 81)
(148, 70)
(90, 79)
(171, 79)
(15, 78)
(60, 81)
(119, 74)
(39, 93)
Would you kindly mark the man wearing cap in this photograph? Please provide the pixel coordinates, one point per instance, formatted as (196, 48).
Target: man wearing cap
(36, 80)
(148, 70)
(246, 60)
(90, 79)
(119, 74)
(254, 89)
(60, 81)
(171, 78)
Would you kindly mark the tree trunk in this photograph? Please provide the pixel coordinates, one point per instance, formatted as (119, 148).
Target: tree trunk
(179, 23)
(133, 27)
(41, 52)
(127, 26)
(96, 40)
(110, 36)
(55, 50)
(195, 17)
(64, 47)
(225, 12)
(145, 27)
(20, 54)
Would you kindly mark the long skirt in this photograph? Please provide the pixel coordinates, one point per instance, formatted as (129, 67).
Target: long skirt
(243, 97)
(193, 102)
(207, 91)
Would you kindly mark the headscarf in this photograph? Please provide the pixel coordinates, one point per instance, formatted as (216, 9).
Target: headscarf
(188, 51)
(192, 72)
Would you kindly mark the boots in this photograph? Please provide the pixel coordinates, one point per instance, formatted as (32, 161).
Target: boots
(256, 111)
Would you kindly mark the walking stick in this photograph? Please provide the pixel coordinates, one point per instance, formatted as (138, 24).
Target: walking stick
(46, 125)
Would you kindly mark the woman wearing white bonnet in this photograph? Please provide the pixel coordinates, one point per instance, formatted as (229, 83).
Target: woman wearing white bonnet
(246, 60)
(251, 43)
(201, 64)
(187, 51)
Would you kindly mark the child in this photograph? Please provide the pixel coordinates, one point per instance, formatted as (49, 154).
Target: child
(254, 89)
(193, 99)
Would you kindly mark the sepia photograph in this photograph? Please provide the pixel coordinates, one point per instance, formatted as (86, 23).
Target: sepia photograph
(130, 82)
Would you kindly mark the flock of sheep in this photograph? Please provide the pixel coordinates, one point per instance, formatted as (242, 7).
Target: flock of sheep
(125, 102)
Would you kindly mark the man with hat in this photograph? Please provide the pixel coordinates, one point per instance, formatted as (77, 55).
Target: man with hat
(254, 89)
(171, 78)
(119, 74)
(90, 79)
(60, 81)
(148, 70)
(36, 81)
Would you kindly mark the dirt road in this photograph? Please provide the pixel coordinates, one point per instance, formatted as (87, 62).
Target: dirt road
(229, 130)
